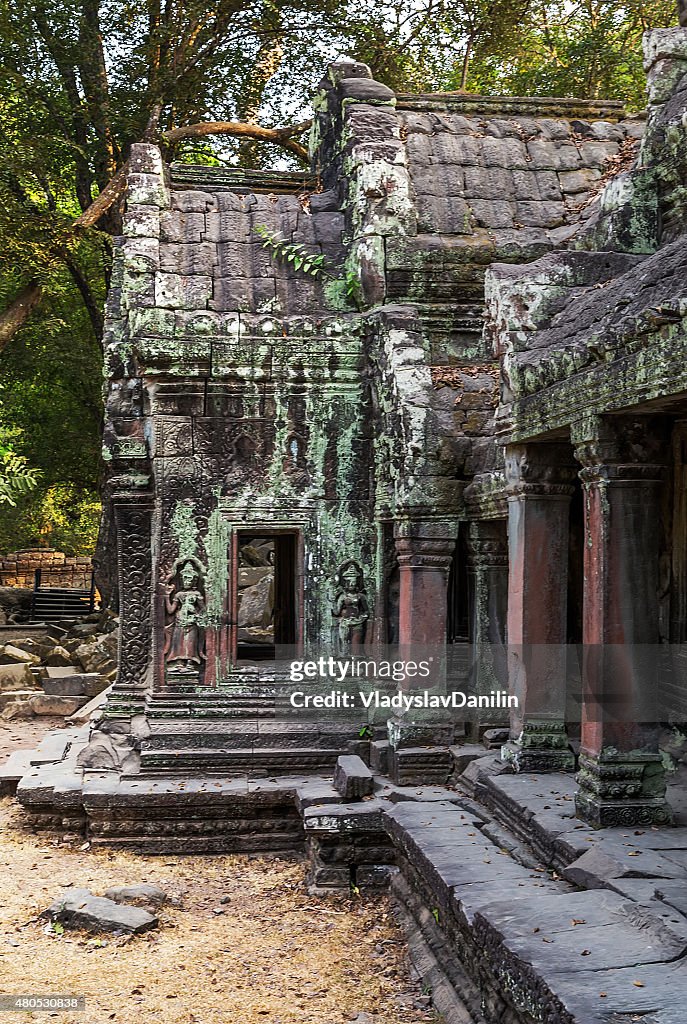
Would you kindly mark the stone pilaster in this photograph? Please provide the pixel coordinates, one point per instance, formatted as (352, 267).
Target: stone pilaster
(488, 568)
(133, 513)
(621, 774)
(540, 485)
(115, 742)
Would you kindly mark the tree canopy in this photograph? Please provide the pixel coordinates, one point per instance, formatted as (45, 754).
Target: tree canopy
(81, 80)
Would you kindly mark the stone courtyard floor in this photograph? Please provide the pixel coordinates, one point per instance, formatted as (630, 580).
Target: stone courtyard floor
(242, 942)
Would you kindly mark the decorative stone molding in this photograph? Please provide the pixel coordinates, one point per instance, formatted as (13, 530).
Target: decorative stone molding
(622, 790)
(545, 470)
(541, 747)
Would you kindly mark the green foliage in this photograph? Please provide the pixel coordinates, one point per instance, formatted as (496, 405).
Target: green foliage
(17, 478)
(51, 408)
(589, 48)
(301, 258)
(314, 264)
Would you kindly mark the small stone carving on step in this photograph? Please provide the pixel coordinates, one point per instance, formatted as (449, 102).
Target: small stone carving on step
(350, 609)
(184, 606)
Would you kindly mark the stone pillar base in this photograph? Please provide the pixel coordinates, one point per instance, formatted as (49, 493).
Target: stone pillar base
(625, 790)
(541, 747)
(428, 733)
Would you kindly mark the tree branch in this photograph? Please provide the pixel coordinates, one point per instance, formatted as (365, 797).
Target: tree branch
(278, 136)
(21, 308)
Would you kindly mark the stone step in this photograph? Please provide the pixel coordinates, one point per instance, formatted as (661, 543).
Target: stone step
(262, 734)
(274, 760)
(180, 708)
(14, 768)
(10, 696)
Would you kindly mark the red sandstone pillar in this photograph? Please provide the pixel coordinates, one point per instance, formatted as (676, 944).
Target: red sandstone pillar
(621, 774)
(424, 560)
(424, 565)
(540, 478)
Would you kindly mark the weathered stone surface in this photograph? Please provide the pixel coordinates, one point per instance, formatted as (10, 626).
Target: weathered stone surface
(17, 709)
(58, 656)
(16, 676)
(52, 704)
(142, 895)
(366, 89)
(352, 778)
(16, 655)
(596, 868)
(75, 685)
(79, 908)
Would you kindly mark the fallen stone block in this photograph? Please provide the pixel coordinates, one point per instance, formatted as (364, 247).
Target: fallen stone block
(77, 685)
(597, 868)
(17, 676)
(17, 709)
(12, 696)
(79, 908)
(352, 778)
(60, 671)
(463, 754)
(59, 656)
(142, 895)
(379, 756)
(48, 704)
(493, 739)
(12, 655)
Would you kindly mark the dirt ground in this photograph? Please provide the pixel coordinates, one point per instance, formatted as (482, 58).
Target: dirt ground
(240, 943)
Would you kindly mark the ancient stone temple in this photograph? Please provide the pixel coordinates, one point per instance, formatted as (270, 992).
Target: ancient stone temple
(431, 392)
(430, 395)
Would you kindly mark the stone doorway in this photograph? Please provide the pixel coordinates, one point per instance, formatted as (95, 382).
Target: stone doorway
(265, 594)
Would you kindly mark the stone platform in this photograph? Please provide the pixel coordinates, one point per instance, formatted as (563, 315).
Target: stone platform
(516, 912)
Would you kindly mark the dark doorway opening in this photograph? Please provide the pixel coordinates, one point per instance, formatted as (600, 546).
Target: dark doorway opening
(460, 595)
(265, 594)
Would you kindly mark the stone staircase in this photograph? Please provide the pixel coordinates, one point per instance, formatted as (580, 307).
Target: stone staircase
(247, 744)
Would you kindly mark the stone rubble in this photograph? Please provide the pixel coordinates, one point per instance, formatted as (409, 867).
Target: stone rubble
(60, 671)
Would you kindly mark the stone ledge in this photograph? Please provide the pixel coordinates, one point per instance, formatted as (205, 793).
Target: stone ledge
(530, 106)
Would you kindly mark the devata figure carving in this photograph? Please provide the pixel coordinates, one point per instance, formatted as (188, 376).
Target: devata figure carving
(184, 604)
(350, 609)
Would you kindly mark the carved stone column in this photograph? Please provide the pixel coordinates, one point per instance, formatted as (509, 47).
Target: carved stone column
(424, 563)
(424, 557)
(488, 568)
(621, 774)
(133, 514)
(540, 485)
(115, 742)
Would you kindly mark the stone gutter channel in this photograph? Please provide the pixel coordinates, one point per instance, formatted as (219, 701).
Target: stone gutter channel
(515, 912)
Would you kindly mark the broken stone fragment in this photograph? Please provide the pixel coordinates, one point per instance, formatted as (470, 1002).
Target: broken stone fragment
(59, 656)
(142, 895)
(352, 778)
(15, 655)
(17, 676)
(79, 908)
(17, 709)
(55, 704)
